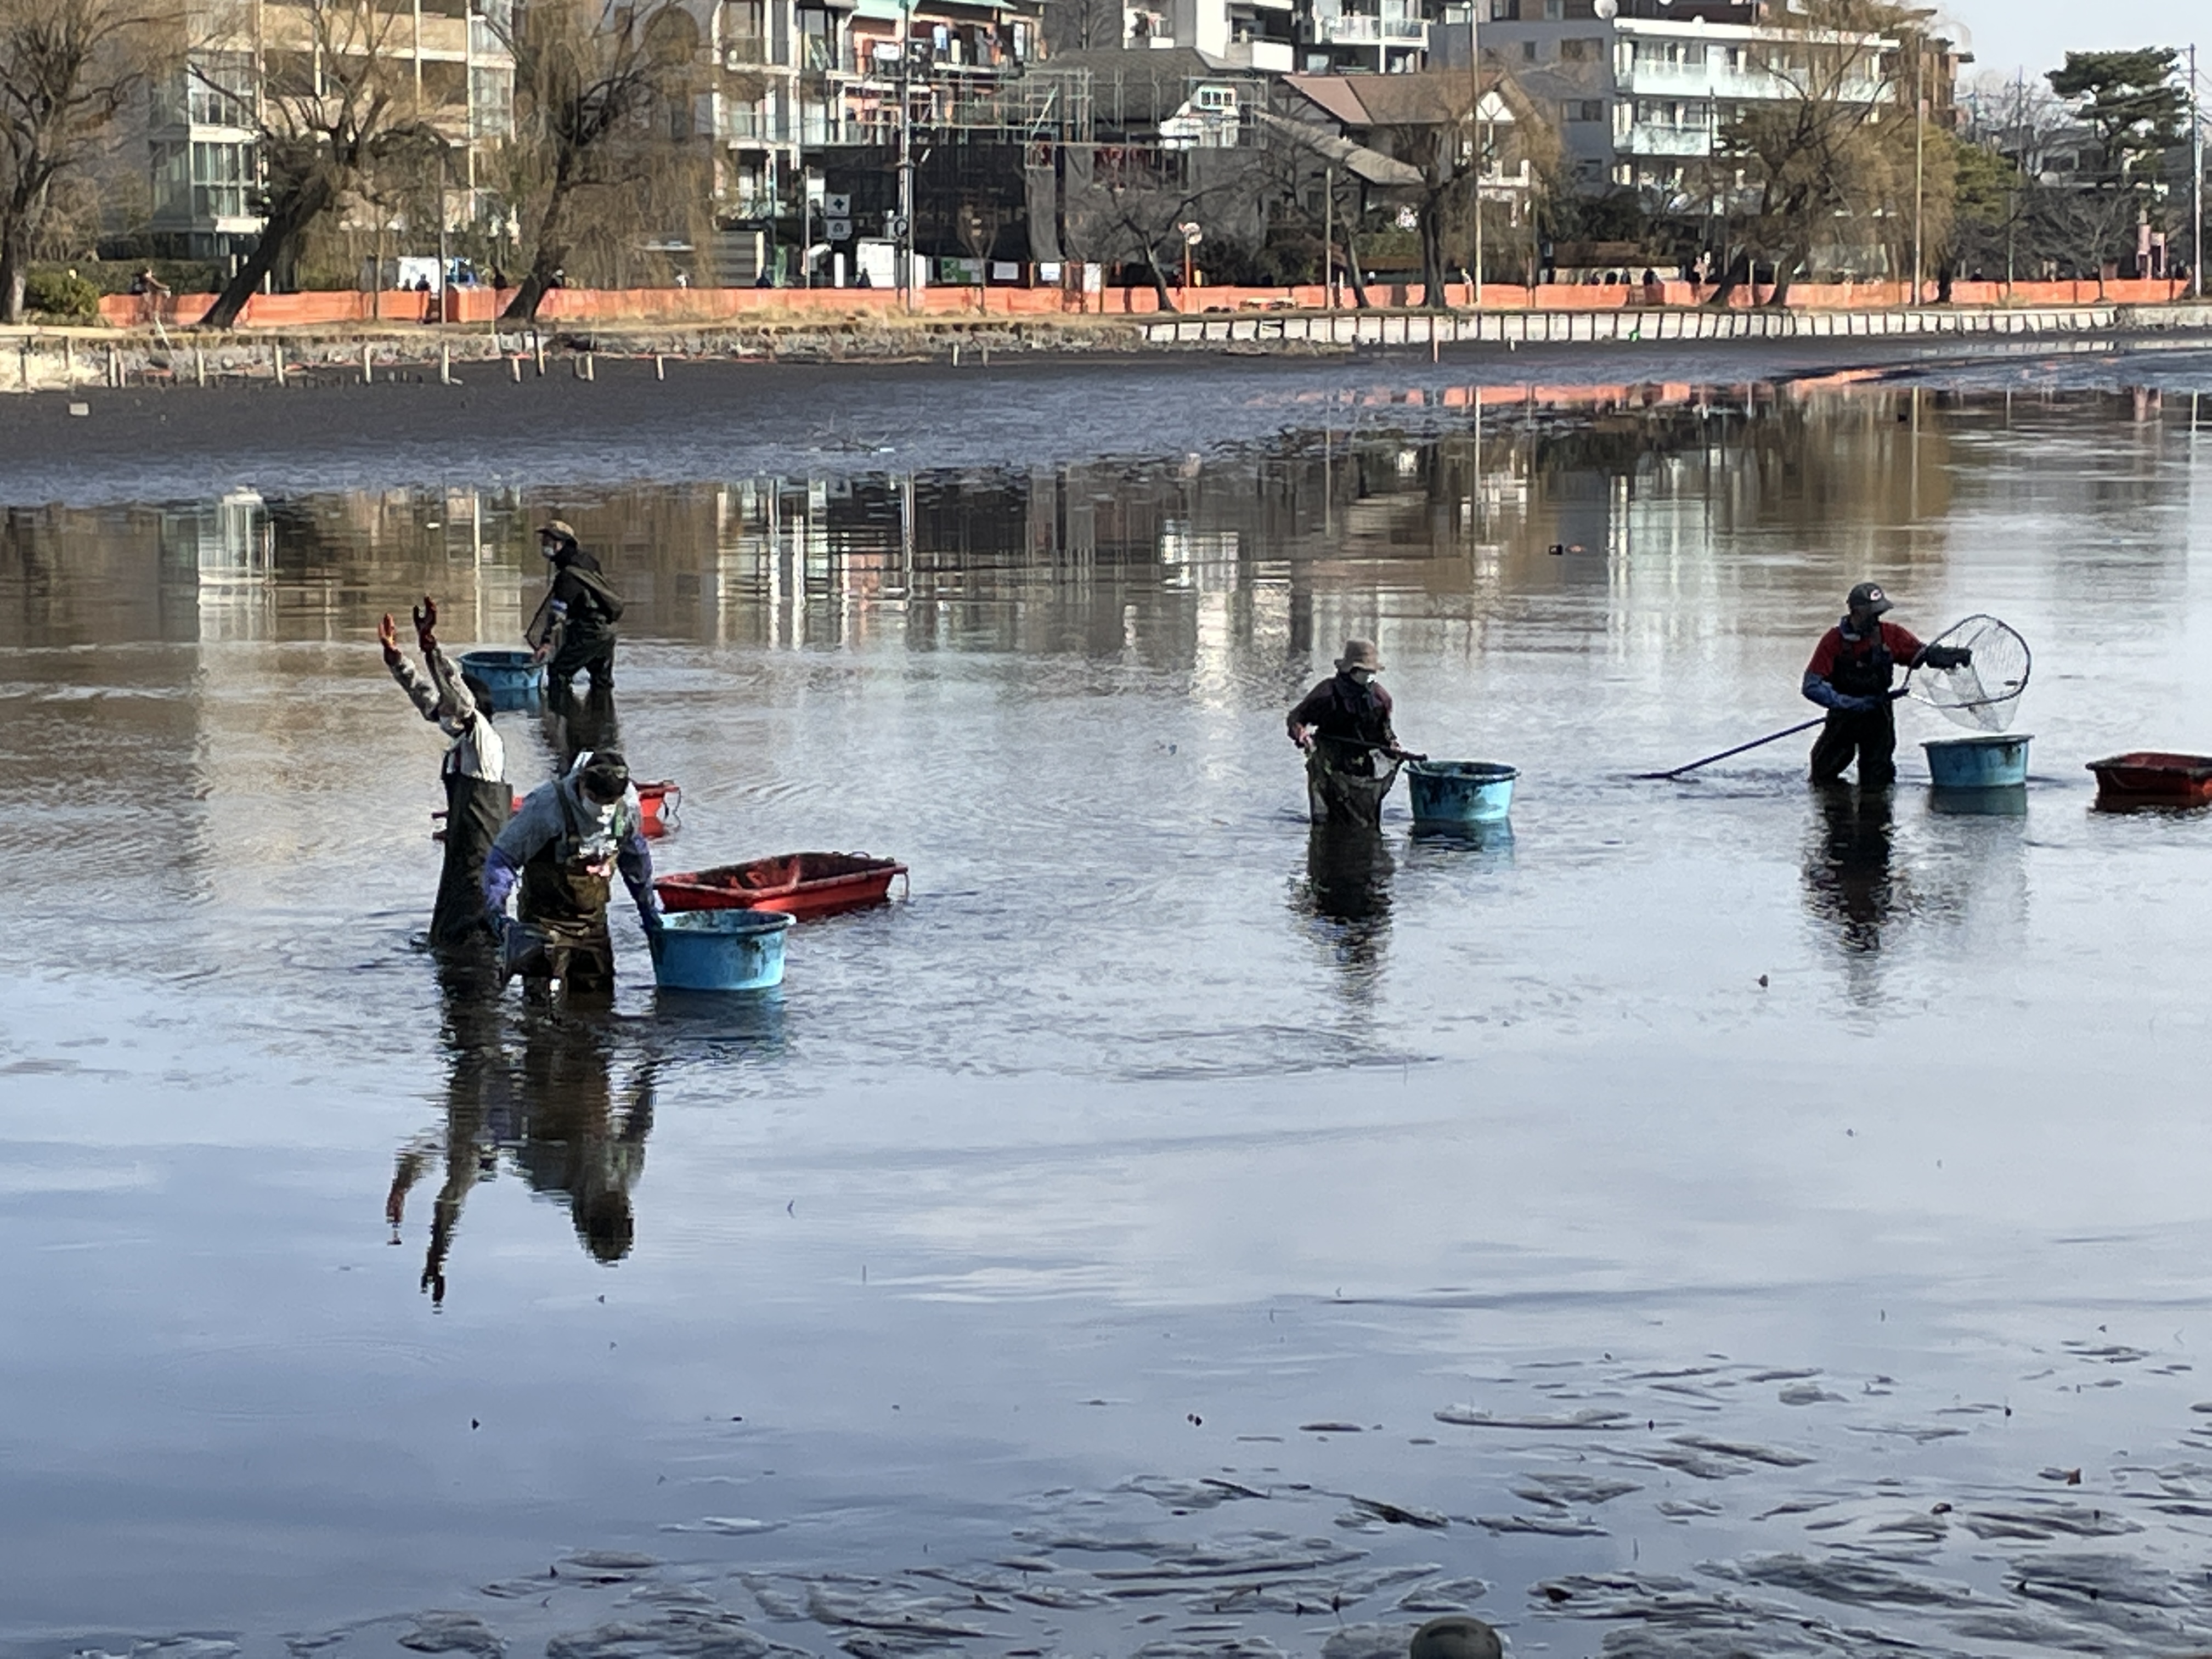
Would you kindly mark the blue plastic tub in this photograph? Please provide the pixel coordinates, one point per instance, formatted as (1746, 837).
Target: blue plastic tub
(1996, 761)
(516, 682)
(1460, 792)
(720, 950)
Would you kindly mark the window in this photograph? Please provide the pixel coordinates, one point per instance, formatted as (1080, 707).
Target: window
(1554, 10)
(491, 103)
(219, 90)
(1586, 109)
(1694, 55)
(1527, 52)
(742, 37)
(1579, 50)
(220, 174)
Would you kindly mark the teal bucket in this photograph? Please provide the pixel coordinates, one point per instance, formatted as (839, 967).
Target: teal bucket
(720, 950)
(1460, 792)
(1995, 762)
(514, 677)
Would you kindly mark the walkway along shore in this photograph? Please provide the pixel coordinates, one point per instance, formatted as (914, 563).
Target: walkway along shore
(59, 359)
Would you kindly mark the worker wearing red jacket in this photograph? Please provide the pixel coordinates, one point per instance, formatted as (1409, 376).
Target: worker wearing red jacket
(1850, 677)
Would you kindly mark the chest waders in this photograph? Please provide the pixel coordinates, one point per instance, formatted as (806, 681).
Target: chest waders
(564, 895)
(1869, 735)
(475, 811)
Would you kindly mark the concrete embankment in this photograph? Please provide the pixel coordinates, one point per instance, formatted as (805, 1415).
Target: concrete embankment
(40, 360)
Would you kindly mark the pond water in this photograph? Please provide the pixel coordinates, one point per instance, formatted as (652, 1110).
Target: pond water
(1706, 1212)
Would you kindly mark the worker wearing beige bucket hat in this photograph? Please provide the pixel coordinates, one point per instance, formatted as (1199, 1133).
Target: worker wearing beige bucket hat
(1344, 725)
(573, 630)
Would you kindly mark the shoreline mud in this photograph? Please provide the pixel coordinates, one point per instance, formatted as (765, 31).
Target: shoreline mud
(596, 418)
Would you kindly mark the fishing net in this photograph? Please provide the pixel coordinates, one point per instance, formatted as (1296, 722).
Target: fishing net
(1983, 694)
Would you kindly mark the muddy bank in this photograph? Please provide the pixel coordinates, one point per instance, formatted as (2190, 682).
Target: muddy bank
(674, 419)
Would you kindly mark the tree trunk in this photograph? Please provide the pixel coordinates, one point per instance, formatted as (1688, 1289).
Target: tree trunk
(1351, 268)
(14, 252)
(1160, 279)
(551, 251)
(1785, 270)
(1737, 274)
(293, 214)
(11, 276)
(1432, 258)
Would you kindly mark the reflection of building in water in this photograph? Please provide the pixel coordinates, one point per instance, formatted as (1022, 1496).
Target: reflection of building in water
(227, 550)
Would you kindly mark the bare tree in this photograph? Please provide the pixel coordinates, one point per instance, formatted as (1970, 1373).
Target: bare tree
(335, 97)
(587, 77)
(68, 68)
(1822, 150)
(978, 223)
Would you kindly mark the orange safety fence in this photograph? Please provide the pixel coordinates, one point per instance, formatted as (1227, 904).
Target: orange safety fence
(710, 304)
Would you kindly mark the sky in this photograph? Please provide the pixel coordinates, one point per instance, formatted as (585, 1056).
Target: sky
(2036, 34)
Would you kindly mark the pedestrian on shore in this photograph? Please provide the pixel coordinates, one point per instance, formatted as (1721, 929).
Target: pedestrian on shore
(474, 771)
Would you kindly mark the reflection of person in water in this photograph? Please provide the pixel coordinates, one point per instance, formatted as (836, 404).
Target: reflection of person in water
(1848, 879)
(554, 1119)
(1347, 887)
(574, 1141)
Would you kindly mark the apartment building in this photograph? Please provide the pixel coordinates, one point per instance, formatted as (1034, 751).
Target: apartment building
(1642, 89)
(204, 170)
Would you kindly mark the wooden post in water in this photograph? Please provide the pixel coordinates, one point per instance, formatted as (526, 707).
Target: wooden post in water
(514, 366)
(537, 345)
(114, 368)
(659, 367)
(368, 364)
(68, 364)
(445, 364)
(277, 357)
(199, 365)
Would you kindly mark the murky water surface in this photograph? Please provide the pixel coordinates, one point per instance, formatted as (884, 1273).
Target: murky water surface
(1707, 1218)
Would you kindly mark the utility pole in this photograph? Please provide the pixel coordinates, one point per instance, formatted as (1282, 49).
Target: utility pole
(1328, 236)
(1919, 152)
(1474, 83)
(2195, 182)
(445, 263)
(904, 252)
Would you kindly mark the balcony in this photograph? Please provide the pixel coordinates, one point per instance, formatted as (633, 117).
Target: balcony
(1655, 138)
(1353, 28)
(1279, 57)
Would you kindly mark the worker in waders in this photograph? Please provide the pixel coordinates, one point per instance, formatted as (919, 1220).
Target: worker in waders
(574, 630)
(478, 797)
(1352, 754)
(562, 849)
(1850, 677)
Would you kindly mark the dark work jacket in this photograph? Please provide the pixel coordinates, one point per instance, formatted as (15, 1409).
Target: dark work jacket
(1341, 708)
(581, 600)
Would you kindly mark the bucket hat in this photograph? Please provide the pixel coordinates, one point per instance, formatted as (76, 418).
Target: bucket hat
(1360, 653)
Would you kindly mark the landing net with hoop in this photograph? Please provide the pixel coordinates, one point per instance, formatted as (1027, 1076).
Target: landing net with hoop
(1983, 694)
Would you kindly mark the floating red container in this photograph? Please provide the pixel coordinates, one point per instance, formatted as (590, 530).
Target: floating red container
(2150, 777)
(657, 804)
(797, 884)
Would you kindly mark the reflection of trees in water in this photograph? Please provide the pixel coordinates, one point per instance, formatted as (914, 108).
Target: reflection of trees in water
(1346, 892)
(550, 1111)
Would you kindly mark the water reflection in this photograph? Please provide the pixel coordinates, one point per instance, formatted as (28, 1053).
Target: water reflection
(550, 1112)
(1346, 892)
(575, 724)
(1849, 883)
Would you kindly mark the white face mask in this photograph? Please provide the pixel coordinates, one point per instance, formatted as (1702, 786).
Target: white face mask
(1364, 676)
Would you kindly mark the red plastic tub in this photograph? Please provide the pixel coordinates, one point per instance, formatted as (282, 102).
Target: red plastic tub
(797, 884)
(2152, 777)
(657, 804)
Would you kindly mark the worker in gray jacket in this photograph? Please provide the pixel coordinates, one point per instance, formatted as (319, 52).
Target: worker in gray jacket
(477, 796)
(562, 850)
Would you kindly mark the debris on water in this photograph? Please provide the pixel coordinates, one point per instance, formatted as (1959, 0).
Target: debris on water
(1328, 1428)
(1397, 1514)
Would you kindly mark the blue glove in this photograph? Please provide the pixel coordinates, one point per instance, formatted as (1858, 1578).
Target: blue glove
(1851, 705)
